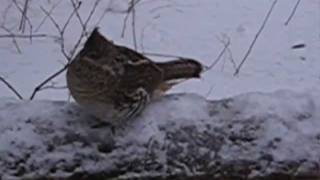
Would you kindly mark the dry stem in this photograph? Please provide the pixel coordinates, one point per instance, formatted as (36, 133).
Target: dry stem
(255, 38)
(11, 87)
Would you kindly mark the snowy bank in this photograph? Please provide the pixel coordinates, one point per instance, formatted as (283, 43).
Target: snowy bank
(181, 136)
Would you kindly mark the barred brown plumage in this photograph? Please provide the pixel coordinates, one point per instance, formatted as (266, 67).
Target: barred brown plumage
(114, 83)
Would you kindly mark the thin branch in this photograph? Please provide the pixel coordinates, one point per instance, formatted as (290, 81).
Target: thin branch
(91, 13)
(22, 25)
(54, 22)
(209, 92)
(70, 17)
(6, 13)
(56, 25)
(256, 37)
(84, 24)
(131, 8)
(11, 88)
(124, 27)
(61, 31)
(232, 59)
(13, 39)
(133, 25)
(154, 10)
(16, 45)
(24, 17)
(292, 12)
(76, 46)
(72, 52)
(225, 42)
(42, 84)
(110, 9)
(76, 5)
(142, 36)
(219, 56)
(46, 17)
(22, 36)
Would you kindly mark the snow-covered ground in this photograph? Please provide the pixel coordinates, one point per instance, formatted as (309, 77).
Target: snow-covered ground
(190, 28)
(255, 135)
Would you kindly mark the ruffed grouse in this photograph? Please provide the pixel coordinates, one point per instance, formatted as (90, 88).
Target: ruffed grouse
(114, 83)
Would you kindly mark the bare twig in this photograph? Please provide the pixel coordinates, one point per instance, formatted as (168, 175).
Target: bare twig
(142, 36)
(109, 9)
(5, 13)
(181, 57)
(16, 45)
(219, 56)
(154, 10)
(22, 25)
(225, 42)
(209, 92)
(124, 27)
(47, 80)
(84, 24)
(131, 8)
(24, 17)
(84, 28)
(46, 17)
(61, 31)
(70, 17)
(69, 56)
(232, 59)
(11, 87)
(133, 24)
(91, 14)
(14, 41)
(292, 12)
(256, 38)
(48, 14)
(74, 4)
(22, 36)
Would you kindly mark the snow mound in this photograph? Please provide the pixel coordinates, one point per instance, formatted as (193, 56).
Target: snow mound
(180, 136)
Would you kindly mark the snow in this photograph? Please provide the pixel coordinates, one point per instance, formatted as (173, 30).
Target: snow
(182, 27)
(181, 134)
(277, 112)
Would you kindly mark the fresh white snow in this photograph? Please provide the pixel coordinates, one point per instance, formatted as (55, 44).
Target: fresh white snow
(55, 139)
